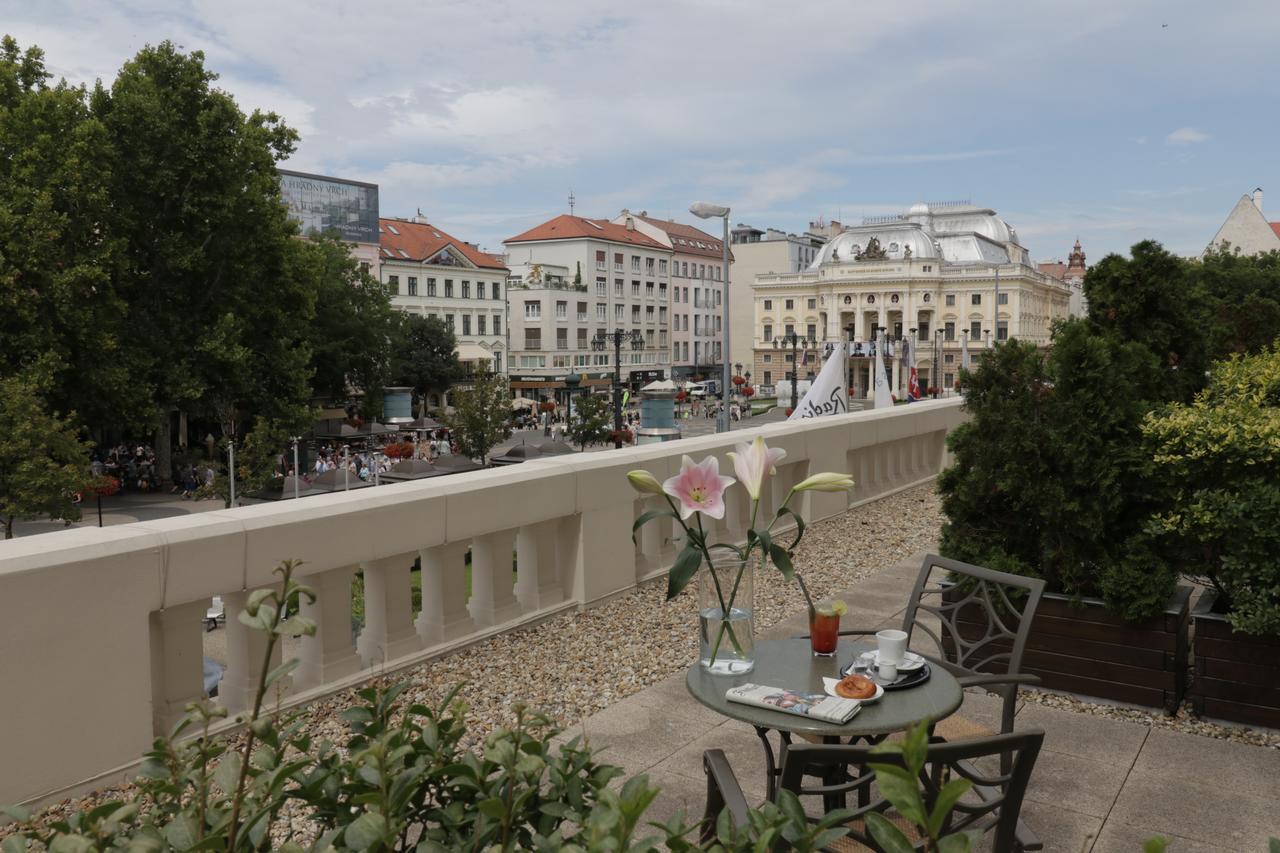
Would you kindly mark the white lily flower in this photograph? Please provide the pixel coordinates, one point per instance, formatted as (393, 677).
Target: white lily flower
(752, 461)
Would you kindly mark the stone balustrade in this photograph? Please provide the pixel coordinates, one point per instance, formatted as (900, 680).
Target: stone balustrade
(101, 629)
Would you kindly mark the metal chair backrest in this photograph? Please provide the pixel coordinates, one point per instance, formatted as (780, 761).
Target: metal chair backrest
(993, 805)
(983, 616)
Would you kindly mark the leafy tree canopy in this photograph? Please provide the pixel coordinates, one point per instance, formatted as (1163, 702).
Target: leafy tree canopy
(592, 420)
(482, 416)
(427, 361)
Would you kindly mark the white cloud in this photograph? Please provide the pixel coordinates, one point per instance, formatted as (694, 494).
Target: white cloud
(1186, 136)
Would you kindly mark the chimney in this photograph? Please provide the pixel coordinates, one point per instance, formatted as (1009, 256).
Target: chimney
(1257, 198)
(631, 223)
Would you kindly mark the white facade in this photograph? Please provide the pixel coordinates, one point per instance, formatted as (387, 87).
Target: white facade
(625, 284)
(1246, 230)
(756, 253)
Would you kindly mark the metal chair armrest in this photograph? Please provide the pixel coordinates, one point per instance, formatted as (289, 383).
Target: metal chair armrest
(723, 791)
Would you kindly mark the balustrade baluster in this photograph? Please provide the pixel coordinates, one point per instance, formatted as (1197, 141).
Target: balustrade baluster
(330, 654)
(245, 649)
(177, 661)
(539, 576)
(444, 613)
(493, 599)
(388, 611)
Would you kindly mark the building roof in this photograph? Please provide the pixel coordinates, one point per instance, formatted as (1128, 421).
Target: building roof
(686, 238)
(1055, 269)
(409, 240)
(566, 227)
(1275, 226)
(953, 232)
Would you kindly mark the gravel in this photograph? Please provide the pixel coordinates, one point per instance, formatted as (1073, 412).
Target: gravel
(578, 663)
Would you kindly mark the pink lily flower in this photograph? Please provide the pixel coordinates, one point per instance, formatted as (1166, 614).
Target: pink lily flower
(699, 488)
(752, 461)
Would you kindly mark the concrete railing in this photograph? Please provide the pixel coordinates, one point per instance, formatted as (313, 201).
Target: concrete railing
(101, 630)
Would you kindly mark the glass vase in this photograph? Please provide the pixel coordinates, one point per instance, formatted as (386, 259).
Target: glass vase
(726, 616)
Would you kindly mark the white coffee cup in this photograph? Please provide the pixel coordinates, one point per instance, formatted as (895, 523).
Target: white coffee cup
(888, 672)
(892, 645)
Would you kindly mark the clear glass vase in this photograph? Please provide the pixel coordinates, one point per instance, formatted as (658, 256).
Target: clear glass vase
(726, 645)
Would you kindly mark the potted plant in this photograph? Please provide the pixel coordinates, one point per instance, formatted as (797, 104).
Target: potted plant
(1220, 456)
(725, 599)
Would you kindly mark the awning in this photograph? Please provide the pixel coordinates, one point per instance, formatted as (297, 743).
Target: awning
(473, 352)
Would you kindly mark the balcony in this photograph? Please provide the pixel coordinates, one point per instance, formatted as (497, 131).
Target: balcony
(141, 590)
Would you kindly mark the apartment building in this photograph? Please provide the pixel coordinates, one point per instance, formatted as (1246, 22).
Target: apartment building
(572, 279)
(433, 274)
(764, 252)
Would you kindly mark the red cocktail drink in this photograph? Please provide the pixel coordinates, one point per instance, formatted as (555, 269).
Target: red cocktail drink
(824, 632)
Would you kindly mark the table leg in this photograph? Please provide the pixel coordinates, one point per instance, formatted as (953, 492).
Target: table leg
(772, 772)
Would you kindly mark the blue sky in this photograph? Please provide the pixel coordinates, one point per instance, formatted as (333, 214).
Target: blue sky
(1108, 121)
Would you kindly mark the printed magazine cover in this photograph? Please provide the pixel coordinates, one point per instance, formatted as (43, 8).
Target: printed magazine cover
(819, 706)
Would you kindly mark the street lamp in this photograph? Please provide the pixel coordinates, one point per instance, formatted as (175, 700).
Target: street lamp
(617, 338)
(296, 473)
(911, 346)
(796, 343)
(704, 210)
(571, 383)
(937, 362)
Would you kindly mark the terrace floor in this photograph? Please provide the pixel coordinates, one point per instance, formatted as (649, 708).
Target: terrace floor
(1100, 784)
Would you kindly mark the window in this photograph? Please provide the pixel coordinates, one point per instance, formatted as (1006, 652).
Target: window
(448, 287)
(697, 297)
(662, 338)
(768, 358)
(662, 290)
(617, 287)
(600, 309)
(448, 321)
(602, 288)
(648, 313)
(600, 260)
(466, 290)
(617, 262)
(497, 324)
(684, 267)
(789, 304)
(497, 362)
(480, 319)
(975, 330)
(927, 268)
(697, 324)
(365, 267)
(635, 263)
(686, 295)
(497, 293)
(562, 338)
(617, 313)
(949, 331)
(466, 324)
(768, 377)
(768, 305)
(790, 330)
(951, 300)
(533, 310)
(662, 314)
(662, 266)
(976, 299)
(648, 289)
(562, 310)
(635, 313)
(393, 282)
(1002, 331)
(635, 288)
(768, 332)
(923, 334)
(648, 266)
(413, 285)
(1004, 299)
(431, 287)
(811, 331)
(582, 312)
(582, 338)
(702, 270)
(811, 304)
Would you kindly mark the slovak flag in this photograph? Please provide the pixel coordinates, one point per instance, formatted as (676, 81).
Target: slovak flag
(913, 389)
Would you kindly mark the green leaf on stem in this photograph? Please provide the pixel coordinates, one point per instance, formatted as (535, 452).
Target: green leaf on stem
(685, 567)
(800, 525)
(365, 831)
(947, 798)
(958, 843)
(887, 835)
(782, 560)
(648, 516)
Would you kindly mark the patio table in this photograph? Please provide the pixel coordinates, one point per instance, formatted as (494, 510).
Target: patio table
(791, 664)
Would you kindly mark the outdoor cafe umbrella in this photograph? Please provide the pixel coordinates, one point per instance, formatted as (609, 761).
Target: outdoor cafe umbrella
(412, 469)
(523, 403)
(334, 481)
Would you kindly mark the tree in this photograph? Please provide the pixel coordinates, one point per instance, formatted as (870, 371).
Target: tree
(427, 361)
(592, 420)
(218, 289)
(1245, 290)
(356, 331)
(43, 461)
(482, 416)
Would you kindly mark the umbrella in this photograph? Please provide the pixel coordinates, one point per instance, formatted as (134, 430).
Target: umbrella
(412, 469)
(454, 463)
(556, 448)
(424, 422)
(333, 481)
(523, 403)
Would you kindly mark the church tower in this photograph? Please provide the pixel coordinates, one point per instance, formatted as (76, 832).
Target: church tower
(1075, 263)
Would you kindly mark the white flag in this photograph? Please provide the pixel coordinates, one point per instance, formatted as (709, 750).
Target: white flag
(883, 398)
(826, 395)
(964, 352)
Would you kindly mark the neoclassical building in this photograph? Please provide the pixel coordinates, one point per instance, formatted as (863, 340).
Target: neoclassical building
(947, 275)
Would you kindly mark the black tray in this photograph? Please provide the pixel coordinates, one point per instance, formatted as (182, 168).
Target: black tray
(912, 679)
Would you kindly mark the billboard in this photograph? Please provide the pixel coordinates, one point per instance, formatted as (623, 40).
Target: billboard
(318, 203)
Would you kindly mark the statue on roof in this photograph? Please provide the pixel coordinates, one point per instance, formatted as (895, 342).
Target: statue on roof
(906, 252)
(873, 252)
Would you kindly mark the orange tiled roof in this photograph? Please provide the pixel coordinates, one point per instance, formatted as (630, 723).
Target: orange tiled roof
(566, 227)
(1275, 226)
(686, 238)
(404, 240)
(1056, 269)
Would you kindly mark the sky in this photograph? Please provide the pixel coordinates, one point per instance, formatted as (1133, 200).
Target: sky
(1110, 121)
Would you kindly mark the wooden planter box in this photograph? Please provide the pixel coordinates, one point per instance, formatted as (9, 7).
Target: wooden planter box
(1086, 649)
(1237, 675)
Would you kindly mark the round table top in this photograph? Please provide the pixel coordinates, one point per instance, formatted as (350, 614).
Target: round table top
(792, 665)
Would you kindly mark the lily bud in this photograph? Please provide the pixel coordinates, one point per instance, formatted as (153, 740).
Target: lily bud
(644, 482)
(828, 481)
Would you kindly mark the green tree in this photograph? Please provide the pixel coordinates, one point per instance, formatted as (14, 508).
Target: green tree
(356, 331)
(1245, 290)
(58, 258)
(427, 361)
(482, 416)
(592, 420)
(1220, 457)
(218, 291)
(43, 461)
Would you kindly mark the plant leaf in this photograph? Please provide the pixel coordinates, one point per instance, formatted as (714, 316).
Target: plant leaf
(957, 843)
(947, 797)
(887, 835)
(683, 570)
(1159, 844)
(365, 831)
(782, 560)
(182, 832)
(650, 515)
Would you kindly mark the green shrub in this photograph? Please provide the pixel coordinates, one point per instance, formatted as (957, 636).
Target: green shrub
(1220, 459)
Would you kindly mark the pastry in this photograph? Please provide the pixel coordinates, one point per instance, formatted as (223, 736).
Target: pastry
(856, 687)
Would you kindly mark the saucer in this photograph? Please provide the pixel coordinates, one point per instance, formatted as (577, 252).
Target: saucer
(911, 660)
(830, 685)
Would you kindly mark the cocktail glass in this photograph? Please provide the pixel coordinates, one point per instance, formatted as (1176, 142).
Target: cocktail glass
(824, 632)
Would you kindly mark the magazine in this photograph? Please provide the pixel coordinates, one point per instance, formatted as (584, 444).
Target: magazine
(819, 706)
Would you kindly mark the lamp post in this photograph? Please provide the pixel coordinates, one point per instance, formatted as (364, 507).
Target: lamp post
(937, 362)
(704, 210)
(571, 383)
(296, 473)
(797, 344)
(617, 338)
(231, 468)
(911, 345)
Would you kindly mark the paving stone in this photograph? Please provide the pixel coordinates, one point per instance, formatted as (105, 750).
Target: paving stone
(636, 737)
(1061, 828)
(1121, 838)
(1077, 784)
(740, 745)
(1236, 766)
(1091, 738)
(1204, 811)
